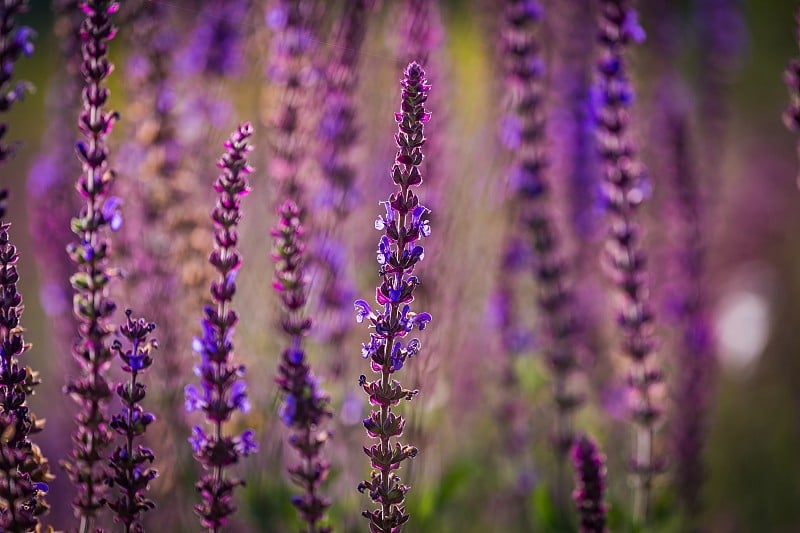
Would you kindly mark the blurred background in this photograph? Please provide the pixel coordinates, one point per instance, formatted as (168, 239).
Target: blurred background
(468, 477)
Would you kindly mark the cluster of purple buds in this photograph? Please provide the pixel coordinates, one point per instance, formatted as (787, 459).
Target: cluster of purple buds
(14, 42)
(404, 224)
(92, 306)
(420, 36)
(23, 472)
(129, 465)
(590, 481)
(624, 194)
(222, 387)
(305, 405)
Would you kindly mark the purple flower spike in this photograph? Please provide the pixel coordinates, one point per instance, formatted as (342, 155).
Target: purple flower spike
(526, 93)
(695, 357)
(305, 404)
(223, 391)
(24, 473)
(90, 255)
(590, 485)
(130, 465)
(15, 43)
(386, 352)
(625, 192)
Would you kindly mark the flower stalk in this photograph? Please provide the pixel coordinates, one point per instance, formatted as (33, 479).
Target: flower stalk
(405, 223)
(24, 472)
(130, 465)
(624, 195)
(694, 375)
(305, 404)
(90, 255)
(526, 81)
(222, 387)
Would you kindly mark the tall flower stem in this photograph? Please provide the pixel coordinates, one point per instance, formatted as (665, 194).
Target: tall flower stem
(305, 405)
(525, 88)
(403, 225)
(24, 472)
(695, 370)
(90, 255)
(624, 192)
(128, 463)
(222, 389)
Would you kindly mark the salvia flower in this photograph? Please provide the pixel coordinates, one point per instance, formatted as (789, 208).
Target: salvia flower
(625, 191)
(14, 42)
(130, 466)
(791, 76)
(519, 53)
(399, 251)
(24, 472)
(421, 38)
(305, 404)
(695, 356)
(222, 388)
(525, 86)
(590, 485)
(92, 305)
